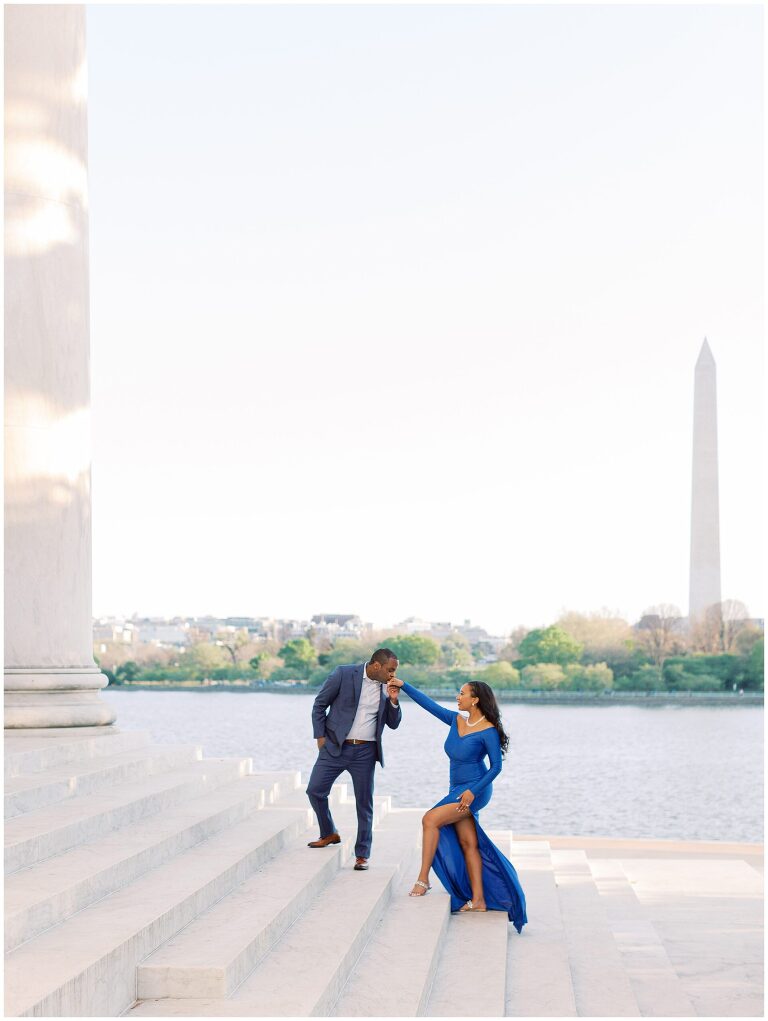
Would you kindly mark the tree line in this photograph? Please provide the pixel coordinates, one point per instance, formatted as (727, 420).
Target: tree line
(579, 652)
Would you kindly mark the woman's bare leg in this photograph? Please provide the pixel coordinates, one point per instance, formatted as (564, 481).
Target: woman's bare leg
(467, 834)
(444, 815)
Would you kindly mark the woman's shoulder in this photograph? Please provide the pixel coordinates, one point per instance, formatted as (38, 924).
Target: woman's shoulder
(491, 733)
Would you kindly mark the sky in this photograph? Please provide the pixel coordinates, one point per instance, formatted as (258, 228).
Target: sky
(395, 309)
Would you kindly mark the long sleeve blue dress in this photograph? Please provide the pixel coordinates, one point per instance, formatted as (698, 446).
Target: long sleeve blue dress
(501, 885)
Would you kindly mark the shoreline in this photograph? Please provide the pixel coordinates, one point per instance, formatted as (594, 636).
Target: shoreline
(636, 698)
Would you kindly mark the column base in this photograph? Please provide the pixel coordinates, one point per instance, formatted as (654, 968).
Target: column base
(62, 733)
(56, 698)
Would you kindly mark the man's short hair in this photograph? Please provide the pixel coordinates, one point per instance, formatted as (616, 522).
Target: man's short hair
(383, 656)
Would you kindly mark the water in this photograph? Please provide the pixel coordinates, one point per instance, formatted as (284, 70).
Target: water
(617, 771)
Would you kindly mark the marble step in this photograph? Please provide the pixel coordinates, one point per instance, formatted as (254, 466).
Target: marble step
(655, 982)
(31, 754)
(471, 974)
(305, 971)
(49, 831)
(32, 791)
(539, 980)
(709, 914)
(405, 946)
(44, 895)
(214, 954)
(601, 985)
(87, 964)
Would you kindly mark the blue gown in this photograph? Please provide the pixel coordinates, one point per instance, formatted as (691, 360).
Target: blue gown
(468, 772)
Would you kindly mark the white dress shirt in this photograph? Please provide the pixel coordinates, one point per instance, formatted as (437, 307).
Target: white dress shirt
(364, 723)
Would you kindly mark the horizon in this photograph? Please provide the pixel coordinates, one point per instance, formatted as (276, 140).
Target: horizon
(603, 613)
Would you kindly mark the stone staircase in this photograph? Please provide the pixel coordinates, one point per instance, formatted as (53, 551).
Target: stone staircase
(152, 882)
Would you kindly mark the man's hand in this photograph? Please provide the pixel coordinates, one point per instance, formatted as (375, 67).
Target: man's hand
(320, 742)
(465, 801)
(394, 692)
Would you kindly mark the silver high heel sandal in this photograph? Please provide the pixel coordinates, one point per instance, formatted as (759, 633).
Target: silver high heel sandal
(469, 906)
(426, 886)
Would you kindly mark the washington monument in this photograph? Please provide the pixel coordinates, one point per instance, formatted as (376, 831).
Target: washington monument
(705, 513)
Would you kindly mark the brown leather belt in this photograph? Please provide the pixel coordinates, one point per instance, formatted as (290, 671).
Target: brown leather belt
(355, 740)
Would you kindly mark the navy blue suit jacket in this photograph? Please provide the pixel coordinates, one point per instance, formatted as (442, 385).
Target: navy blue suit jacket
(333, 712)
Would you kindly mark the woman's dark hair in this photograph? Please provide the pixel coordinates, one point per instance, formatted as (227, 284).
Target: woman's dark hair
(489, 707)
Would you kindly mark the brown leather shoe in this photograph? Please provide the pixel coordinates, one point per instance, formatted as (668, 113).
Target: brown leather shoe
(333, 838)
(361, 864)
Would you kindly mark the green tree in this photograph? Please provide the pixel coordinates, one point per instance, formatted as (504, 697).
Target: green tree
(755, 672)
(423, 677)
(416, 650)
(481, 650)
(543, 676)
(680, 671)
(679, 679)
(232, 642)
(549, 645)
(453, 679)
(606, 637)
(345, 650)
(127, 672)
(500, 675)
(747, 639)
(123, 673)
(454, 652)
(589, 677)
(645, 678)
(201, 660)
(318, 676)
(258, 662)
(298, 656)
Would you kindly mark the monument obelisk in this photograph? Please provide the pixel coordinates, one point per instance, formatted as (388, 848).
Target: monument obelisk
(705, 502)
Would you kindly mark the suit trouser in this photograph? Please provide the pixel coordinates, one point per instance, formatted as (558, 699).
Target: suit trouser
(359, 760)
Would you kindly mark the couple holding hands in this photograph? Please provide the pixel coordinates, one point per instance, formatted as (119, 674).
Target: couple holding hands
(348, 719)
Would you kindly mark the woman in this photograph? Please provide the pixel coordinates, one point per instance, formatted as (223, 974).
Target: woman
(469, 865)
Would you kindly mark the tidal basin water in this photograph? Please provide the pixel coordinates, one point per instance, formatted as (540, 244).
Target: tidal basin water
(616, 771)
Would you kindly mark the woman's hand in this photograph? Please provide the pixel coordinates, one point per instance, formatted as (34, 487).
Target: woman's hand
(465, 801)
(395, 682)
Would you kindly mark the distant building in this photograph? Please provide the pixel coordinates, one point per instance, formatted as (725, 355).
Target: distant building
(110, 630)
(290, 629)
(472, 633)
(337, 625)
(339, 619)
(202, 629)
(164, 634)
(419, 626)
(239, 623)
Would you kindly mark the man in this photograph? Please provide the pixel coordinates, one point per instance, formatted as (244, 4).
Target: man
(348, 719)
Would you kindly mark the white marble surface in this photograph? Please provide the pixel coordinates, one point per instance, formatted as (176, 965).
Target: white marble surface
(50, 678)
(616, 928)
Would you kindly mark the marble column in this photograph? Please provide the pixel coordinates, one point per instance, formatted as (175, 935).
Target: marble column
(705, 501)
(51, 679)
